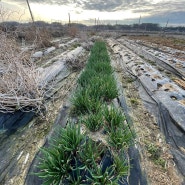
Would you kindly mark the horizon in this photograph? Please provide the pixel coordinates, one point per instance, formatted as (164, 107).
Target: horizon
(101, 24)
(108, 12)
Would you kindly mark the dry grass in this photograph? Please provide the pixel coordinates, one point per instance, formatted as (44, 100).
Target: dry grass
(75, 64)
(73, 31)
(180, 82)
(39, 36)
(176, 43)
(19, 85)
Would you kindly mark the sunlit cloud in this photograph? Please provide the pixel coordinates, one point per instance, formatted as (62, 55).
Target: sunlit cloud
(81, 10)
(77, 13)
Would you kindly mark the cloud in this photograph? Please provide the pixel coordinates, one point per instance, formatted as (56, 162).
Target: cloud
(151, 6)
(102, 5)
(163, 6)
(154, 10)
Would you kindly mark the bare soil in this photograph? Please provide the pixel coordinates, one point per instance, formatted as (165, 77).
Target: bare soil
(176, 43)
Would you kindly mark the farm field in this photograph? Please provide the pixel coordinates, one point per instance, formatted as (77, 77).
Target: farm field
(147, 75)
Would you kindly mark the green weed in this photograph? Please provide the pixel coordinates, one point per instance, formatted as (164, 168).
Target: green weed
(160, 162)
(120, 165)
(94, 121)
(155, 153)
(54, 165)
(129, 80)
(113, 117)
(134, 101)
(90, 151)
(83, 103)
(102, 178)
(120, 138)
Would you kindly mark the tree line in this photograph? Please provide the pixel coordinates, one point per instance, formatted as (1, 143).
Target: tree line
(12, 25)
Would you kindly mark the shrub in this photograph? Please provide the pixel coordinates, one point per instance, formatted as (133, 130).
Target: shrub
(40, 36)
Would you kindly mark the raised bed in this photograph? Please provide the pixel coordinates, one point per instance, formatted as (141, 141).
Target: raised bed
(166, 60)
(162, 97)
(21, 133)
(99, 130)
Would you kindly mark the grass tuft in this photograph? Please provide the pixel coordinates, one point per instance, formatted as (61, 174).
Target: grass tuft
(120, 165)
(120, 138)
(69, 138)
(91, 151)
(113, 117)
(83, 103)
(94, 121)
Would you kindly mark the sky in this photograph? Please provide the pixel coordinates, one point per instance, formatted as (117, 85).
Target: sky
(106, 11)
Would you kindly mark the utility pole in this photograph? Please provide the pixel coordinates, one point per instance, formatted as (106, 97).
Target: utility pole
(166, 26)
(95, 24)
(98, 23)
(139, 23)
(167, 23)
(30, 11)
(139, 19)
(69, 20)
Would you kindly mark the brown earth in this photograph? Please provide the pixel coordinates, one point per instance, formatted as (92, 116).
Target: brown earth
(176, 43)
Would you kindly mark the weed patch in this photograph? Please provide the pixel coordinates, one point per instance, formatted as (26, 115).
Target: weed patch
(155, 154)
(134, 101)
